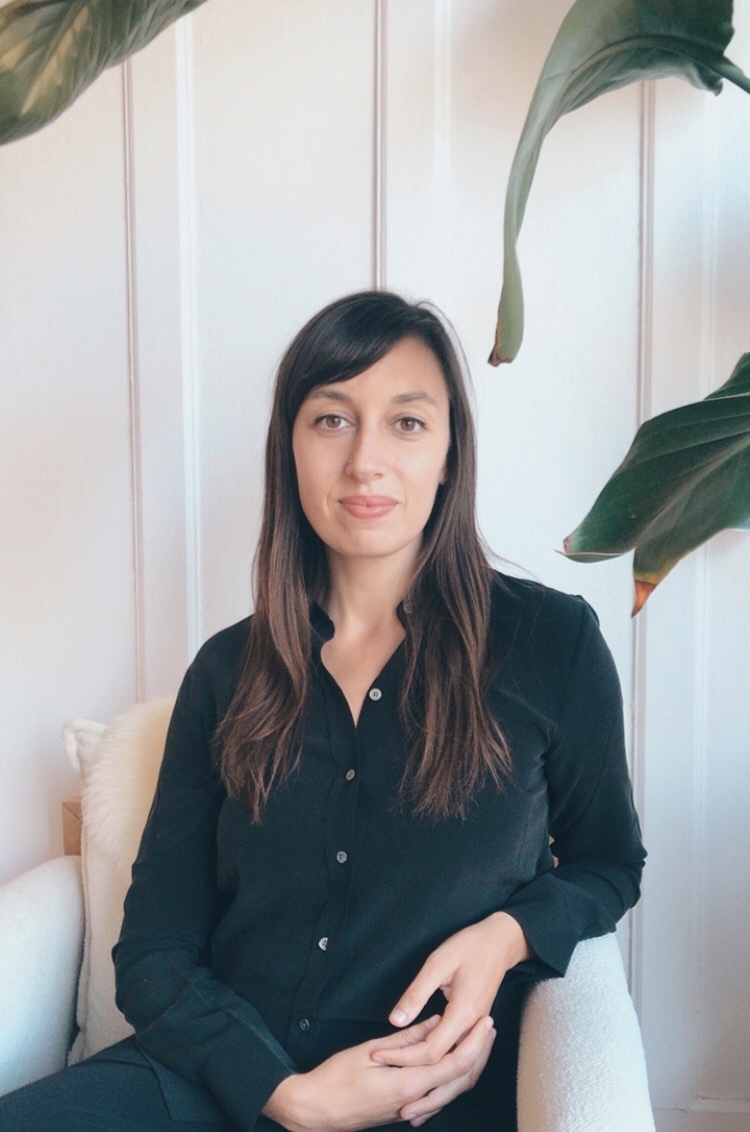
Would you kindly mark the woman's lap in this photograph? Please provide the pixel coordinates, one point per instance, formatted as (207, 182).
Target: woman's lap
(122, 1090)
(115, 1091)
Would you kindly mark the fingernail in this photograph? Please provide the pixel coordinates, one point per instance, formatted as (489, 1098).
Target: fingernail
(379, 1059)
(431, 1023)
(398, 1017)
(489, 1023)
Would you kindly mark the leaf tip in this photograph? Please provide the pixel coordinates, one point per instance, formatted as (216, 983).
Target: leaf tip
(643, 591)
(497, 359)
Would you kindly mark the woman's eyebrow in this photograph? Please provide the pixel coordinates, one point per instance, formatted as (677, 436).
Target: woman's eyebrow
(416, 395)
(325, 392)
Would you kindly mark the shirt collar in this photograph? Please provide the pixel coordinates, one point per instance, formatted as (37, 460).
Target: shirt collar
(323, 628)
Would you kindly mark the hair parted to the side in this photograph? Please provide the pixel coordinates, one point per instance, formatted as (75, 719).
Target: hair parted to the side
(455, 744)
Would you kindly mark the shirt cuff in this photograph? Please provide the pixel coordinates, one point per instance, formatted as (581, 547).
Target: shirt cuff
(242, 1075)
(555, 916)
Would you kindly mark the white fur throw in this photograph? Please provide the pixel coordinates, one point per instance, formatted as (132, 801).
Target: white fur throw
(119, 765)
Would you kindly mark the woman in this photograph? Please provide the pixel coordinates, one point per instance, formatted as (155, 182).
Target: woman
(346, 880)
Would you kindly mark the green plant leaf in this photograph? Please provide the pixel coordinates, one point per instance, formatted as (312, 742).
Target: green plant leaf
(603, 45)
(51, 50)
(686, 477)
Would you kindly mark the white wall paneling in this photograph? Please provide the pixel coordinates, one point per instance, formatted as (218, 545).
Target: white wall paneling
(694, 719)
(164, 239)
(66, 568)
(284, 159)
(379, 139)
(161, 233)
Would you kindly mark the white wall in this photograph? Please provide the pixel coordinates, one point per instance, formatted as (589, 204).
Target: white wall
(164, 239)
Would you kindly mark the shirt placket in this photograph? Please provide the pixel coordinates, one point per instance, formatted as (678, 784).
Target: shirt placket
(339, 825)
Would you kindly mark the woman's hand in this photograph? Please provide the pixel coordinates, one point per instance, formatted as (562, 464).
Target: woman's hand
(469, 968)
(350, 1091)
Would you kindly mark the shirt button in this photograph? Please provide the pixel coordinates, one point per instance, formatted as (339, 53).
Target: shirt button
(323, 943)
(350, 775)
(342, 857)
(304, 1024)
(375, 693)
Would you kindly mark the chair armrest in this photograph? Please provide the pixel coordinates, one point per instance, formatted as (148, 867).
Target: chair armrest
(581, 1065)
(41, 939)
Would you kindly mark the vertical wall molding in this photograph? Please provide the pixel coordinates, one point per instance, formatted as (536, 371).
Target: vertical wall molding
(186, 172)
(441, 148)
(705, 380)
(134, 386)
(646, 257)
(644, 379)
(380, 126)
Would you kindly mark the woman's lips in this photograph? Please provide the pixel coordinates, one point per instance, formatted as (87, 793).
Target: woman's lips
(368, 506)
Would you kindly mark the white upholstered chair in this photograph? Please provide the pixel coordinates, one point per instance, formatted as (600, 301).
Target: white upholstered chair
(581, 1066)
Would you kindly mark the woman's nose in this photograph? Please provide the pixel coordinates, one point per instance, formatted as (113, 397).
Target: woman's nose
(366, 456)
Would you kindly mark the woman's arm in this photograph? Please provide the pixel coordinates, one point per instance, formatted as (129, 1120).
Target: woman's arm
(183, 1015)
(595, 833)
(596, 838)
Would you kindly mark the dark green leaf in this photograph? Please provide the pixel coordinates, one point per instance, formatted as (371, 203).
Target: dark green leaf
(603, 45)
(51, 50)
(686, 476)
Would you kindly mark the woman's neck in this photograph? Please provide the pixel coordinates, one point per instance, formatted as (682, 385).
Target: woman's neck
(362, 602)
(363, 595)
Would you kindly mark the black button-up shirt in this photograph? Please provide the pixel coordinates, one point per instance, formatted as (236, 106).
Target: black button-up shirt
(251, 950)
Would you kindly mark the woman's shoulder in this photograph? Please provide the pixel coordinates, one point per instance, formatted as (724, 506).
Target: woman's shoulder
(530, 598)
(218, 661)
(526, 614)
(225, 643)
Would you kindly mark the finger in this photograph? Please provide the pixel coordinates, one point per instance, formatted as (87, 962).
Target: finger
(423, 1119)
(432, 976)
(460, 1064)
(460, 1016)
(436, 1100)
(469, 1057)
(433, 1103)
(420, 1110)
(414, 1035)
(458, 1020)
(439, 1105)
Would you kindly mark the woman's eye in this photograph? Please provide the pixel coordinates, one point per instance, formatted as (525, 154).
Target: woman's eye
(331, 422)
(410, 424)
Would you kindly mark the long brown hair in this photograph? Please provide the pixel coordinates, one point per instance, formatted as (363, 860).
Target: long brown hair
(455, 745)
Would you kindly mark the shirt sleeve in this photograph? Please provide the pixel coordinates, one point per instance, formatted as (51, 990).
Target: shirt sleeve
(593, 825)
(184, 1016)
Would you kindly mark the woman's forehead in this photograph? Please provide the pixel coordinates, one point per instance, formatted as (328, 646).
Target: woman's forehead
(408, 373)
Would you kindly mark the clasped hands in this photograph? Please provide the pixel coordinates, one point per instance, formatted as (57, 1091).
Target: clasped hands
(414, 1073)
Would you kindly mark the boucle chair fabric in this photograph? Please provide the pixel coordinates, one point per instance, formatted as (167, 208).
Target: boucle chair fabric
(581, 1064)
(41, 928)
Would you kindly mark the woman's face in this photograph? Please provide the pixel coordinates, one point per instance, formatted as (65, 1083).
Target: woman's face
(371, 452)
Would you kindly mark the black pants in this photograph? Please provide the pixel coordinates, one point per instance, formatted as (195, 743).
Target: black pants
(117, 1090)
(121, 1090)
